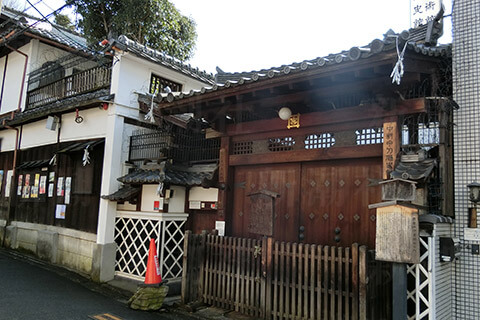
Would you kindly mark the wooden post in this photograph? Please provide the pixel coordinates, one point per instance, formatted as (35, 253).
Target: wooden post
(201, 278)
(269, 270)
(391, 146)
(185, 287)
(399, 291)
(472, 217)
(362, 293)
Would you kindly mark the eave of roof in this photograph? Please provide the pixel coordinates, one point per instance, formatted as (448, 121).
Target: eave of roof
(56, 34)
(354, 55)
(59, 106)
(184, 176)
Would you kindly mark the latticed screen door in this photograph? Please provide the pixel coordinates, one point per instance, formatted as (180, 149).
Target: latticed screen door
(132, 236)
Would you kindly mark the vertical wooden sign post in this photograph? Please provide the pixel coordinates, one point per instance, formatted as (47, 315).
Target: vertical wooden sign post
(391, 146)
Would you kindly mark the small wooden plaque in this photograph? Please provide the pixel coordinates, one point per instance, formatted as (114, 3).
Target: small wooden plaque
(397, 236)
(262, 212)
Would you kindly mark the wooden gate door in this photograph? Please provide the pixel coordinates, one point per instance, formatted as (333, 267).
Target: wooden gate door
(334, 201)
(266, 201)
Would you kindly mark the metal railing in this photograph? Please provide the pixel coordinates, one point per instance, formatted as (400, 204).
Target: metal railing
(82, 82)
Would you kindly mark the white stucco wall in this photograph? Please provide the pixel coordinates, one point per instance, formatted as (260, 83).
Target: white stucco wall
(177, 202)
(133, 74)
(149, 195)
(38, 53)
(93, 125)
(8, 140)
(13, 79)
(36, 134)
(203, 194)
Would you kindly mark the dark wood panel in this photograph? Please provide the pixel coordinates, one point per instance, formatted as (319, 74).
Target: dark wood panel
(328, 117)
(281, 179)
(82, 211)
(366, 151)
(336, 195)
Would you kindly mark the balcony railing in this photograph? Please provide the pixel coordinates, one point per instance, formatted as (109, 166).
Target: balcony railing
(79, 83)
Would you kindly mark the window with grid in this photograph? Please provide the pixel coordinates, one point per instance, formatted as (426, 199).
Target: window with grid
(158, 84)
(319, 141)
(369, 136)
(243, 147)
(281, 144)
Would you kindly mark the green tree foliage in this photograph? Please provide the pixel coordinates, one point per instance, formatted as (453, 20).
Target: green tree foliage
(64, 21)
(155, 23)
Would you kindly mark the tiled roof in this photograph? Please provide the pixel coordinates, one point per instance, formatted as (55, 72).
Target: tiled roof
(194, 175)
(226, 80)
(420, 170)
(44, 29)
(158, 57)
(64, 105)
(126, 192)
(34, 164)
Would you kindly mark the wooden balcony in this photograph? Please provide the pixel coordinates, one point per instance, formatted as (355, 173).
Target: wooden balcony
(76, 84)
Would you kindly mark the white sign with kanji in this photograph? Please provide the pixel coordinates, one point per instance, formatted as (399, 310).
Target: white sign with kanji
(423, 11)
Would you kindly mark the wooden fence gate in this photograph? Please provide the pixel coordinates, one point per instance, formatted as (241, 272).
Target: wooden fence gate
(268, 279)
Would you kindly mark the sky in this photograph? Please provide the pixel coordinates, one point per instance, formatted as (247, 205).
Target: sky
(258, 34)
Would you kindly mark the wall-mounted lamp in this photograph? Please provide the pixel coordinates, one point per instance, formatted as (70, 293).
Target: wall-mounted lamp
(285, 113)
(474, 196)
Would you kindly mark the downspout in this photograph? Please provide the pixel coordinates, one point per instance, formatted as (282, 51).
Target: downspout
(12, 182)
(17, 137)
(3, 80)
(23, 76)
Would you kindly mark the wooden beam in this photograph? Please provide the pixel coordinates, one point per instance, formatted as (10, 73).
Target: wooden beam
(334, 153)
(364, 112)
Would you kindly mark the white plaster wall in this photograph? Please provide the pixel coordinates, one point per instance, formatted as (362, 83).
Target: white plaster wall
(8, 140)
(13, 79)
(203, 194)
(149, 195)
(93, 125)
(38, 53)
(127, 206)
(135, 74)
(36, 134)
(177, 202)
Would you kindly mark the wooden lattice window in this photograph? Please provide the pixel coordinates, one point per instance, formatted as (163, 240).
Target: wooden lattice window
(243, 147)
(158, 84)
(319, 141)
(369, 136)
(281, 144)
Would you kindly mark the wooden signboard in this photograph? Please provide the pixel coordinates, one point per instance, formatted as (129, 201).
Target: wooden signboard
(390, 147)
(262, 212)
(397, 235)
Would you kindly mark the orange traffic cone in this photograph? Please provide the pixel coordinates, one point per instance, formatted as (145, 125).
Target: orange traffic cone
(153, 268)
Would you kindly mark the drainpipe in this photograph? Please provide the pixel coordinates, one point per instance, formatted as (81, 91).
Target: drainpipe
(3, 80)
(17, 137)
(12, 190)
(23, 76)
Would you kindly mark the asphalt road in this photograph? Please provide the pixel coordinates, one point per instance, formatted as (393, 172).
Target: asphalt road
(33, 290)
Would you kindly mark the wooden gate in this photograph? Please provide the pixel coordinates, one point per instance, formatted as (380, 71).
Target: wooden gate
(276, 280)
(323, 202)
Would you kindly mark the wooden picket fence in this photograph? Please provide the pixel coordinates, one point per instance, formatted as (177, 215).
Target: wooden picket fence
(268, 279)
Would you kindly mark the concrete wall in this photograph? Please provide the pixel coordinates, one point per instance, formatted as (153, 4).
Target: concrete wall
(67, 247)
(466, 86)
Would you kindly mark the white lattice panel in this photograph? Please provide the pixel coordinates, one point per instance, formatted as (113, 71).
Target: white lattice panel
(421, 294)
(132, 236)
